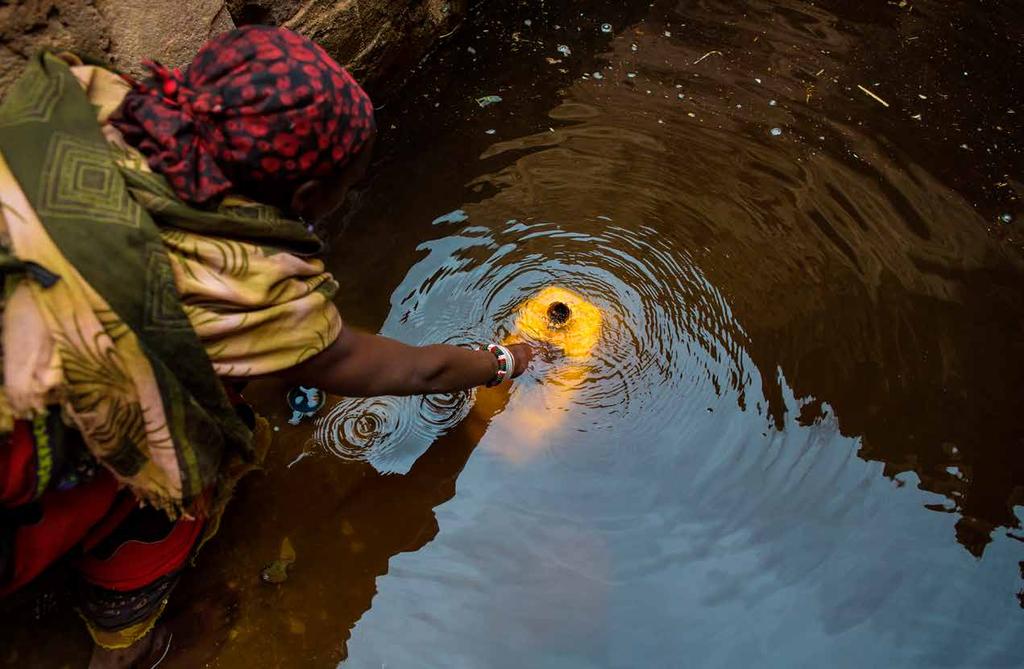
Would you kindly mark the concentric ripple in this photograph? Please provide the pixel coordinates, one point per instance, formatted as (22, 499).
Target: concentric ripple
(668, 341)
(388, 432)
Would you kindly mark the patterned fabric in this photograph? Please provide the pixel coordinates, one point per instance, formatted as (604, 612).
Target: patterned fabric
(257, 105)
(119, 619)
(126, 362)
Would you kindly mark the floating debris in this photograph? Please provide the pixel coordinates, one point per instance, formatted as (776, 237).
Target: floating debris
(872, 95)
(564, 50)
(631, 75)
(597, 75)
(490, 132)
(299, 458)
(606, 27)
(277, 571)
(488, 100)
(1006, 218)
(668, 34)
(304, 401)
(527, 23)
(681, 96)
(634, 48)
(757, 80)
(709, 53)
(772, 103)
(776, 132)
(471, 50)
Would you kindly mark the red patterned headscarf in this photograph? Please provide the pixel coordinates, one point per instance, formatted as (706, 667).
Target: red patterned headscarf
(257, 106)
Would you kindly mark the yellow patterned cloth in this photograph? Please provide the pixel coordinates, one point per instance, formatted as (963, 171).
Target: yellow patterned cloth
(256, 307)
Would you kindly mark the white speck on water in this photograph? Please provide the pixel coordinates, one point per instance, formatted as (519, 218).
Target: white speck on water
(564, 50)
(776, 132)
(491, 131)
(633, 47)
(597, 75)
(681, 96)
(772, 103)
(606, 27)
(277, 428)
(527, 23)
(471, 50)
(668, 33)
(1006, 218)
(631, 75)
(757, 80)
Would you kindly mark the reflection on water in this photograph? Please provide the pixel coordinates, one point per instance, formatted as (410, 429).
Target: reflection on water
(806, 388)
(796, 441)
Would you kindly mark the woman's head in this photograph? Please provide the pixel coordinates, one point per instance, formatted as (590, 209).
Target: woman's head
(260, 110)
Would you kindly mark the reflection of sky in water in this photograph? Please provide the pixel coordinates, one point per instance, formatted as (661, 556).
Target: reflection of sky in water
(675, 522)
(786, 547)
(681, 513)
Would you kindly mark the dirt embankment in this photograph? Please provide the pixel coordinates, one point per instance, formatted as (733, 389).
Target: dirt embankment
(378, 40)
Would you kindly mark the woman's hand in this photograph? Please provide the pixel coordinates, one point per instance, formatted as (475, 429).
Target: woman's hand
(523, 354)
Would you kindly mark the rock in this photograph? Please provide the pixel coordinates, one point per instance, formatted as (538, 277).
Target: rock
(379, 41)
(121, 32)
(170, 32)
(29, 25)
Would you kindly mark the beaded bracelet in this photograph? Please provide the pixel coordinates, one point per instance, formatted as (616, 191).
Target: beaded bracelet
(506, 364)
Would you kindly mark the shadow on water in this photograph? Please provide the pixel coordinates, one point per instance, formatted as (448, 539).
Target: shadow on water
(798, 440)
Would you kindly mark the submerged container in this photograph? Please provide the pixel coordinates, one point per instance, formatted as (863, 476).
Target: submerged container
(561, 318)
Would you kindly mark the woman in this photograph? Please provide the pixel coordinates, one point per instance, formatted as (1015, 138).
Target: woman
(156, 251)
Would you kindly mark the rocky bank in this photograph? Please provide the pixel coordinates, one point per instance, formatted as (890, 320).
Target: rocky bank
(379, 40)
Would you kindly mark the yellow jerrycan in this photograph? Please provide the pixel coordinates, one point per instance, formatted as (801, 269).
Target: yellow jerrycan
(561, 318)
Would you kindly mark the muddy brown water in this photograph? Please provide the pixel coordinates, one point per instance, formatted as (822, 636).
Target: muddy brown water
(799, 440)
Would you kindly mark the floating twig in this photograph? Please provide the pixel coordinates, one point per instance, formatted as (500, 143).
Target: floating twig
(706, 55)
(869, 93)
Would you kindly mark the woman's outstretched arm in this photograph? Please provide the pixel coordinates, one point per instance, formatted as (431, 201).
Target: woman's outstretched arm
(359, 364)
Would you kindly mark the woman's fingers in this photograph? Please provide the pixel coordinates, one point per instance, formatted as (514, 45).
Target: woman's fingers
(523, 353)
